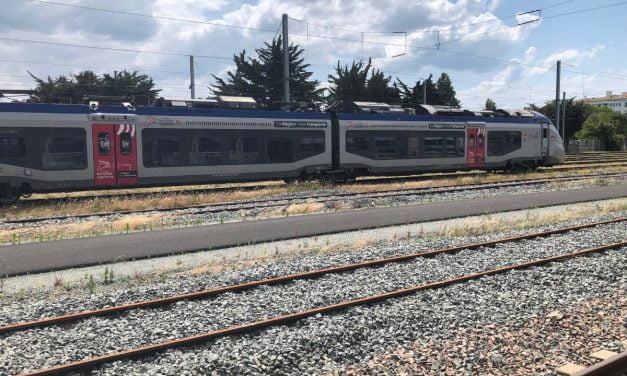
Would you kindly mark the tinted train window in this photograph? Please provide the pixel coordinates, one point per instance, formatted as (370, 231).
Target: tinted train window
(205, 151)
(125, 143)
(66, 151)
(162, 152)
(384, 148)
(433, 147)
(11, 147)
(243, 150)
(357, 144)
(311, 145)
(280, 150)
(410, 147)
(503, 142)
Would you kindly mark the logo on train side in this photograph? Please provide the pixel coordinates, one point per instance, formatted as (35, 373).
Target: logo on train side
(299, 124)
(446, 126)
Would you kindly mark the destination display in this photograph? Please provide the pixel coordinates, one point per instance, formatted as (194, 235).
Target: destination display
(299, 124)
(447, 126)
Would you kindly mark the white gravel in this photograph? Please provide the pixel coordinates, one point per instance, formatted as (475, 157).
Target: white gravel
(346, 337)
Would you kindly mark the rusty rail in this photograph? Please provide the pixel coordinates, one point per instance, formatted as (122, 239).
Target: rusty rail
(288, 318)
(285, 278)
(613, 366)
(267, 203)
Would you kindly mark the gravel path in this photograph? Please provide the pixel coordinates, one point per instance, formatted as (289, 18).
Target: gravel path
(99, 335)
(294, 204)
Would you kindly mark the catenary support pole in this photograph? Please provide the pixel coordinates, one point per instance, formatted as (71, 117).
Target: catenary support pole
(286, 61)
(557, 95)
(563, 118)
(192, 85)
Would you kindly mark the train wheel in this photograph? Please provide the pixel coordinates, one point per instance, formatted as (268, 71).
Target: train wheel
(8, 195)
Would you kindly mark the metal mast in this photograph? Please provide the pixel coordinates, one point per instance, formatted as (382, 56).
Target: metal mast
(557, 94)
(192, 85)
(286, 61)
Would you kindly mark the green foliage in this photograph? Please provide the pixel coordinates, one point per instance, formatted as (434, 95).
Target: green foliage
(353, 84)
(441, 93)
(446, 92)
(490, 105)
(108, 276)
(73, 89)
(90, 283)
(262, 77)
(609, 126)
(576, 113)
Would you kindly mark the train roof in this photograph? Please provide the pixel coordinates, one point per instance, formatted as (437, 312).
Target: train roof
(512, 117)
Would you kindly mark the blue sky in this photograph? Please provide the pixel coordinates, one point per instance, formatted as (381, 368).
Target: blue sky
(514, 70)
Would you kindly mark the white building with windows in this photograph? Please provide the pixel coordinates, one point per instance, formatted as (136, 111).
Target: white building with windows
(616, 102)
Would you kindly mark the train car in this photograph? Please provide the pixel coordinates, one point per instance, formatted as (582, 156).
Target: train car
(446, 140)
(45, 148)
(48, 147)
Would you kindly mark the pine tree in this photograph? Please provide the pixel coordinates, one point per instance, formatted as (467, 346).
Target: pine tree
(446, 92)
(348, 85)
(413, 97)
(262, 77)
(378, 89)
(490, 105)
(73, 89)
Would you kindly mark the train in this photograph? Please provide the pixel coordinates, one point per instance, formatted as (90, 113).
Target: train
(70, 147)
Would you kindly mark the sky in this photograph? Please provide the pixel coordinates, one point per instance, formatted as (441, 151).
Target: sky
(483, 47)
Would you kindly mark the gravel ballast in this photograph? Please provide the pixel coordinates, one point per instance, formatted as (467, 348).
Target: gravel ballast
(100, 335)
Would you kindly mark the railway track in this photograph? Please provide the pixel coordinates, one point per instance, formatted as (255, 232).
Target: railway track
(312, 275)
(33, 202)
(318, 198)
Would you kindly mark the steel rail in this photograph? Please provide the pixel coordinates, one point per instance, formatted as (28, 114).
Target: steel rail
(365, 180)
(267, 203)
(613, 366)
(250, 327)
(285, 278)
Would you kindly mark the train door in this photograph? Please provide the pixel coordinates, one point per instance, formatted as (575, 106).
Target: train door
(545, 141)
(115, 154)
(475, 146)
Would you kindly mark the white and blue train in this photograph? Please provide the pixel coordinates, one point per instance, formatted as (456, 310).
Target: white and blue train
(50, 147)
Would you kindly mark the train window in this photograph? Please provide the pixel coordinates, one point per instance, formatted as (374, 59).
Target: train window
(243, 150)
(311, 145)
(545, 133)
(205, 151)
(280, 149)
(410, 147)
(384, 147)
(357, 144)
(503, 142)
(104, 143)
(433, 147)
(480, 141)
(163, 152)
(125, 143)
(452, 147)
(64, 152)
(471, 141)
(461, 150)
(11, 147)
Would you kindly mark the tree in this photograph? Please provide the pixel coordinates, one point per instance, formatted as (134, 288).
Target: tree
(378, 89)
(576, 113)
(413, 97)
(446, 92)
(262, 77)
(609, 126)
(73, 89)
(348, 85)
(490, 105)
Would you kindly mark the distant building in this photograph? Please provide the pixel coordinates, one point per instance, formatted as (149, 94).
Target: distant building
(617, 102)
